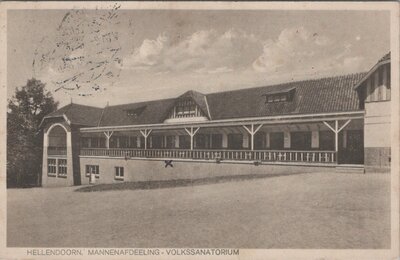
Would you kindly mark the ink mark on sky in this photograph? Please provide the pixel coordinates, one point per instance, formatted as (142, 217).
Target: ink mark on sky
(86, 55)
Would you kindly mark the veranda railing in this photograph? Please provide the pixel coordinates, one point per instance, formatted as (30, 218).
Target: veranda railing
(55, 150)
(235, 155)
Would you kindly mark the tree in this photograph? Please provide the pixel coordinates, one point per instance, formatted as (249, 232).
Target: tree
(26, 110)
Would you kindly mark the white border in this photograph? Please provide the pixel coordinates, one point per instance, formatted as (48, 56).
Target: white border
(393, 7)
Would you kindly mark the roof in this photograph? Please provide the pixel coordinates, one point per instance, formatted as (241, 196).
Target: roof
(79, 114)
(332, 94)
(385, 59)
(155, 112)
(282, 90)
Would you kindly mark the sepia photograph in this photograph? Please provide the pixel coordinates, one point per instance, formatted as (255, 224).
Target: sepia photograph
(199, 129)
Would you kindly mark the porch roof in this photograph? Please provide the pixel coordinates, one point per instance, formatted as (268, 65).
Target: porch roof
(271, 120)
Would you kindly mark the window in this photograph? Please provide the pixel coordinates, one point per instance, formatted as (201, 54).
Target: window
(201, 141)
(326, 140)
(92, 169)
(380, 76)
(378, 86)
(97, 142)
(52, 167)
(235, 141)
(62, 167)
(119, 173)
(85, 142)
(185, 108)
(276, 98)
(184, 141)
(216, 141)
(114, 142)
(124, 141)
(388, 83)
(276, 140)
(157, 141)
(259, 140)
(170, 141)
(280, 95)
(300, 140)
(132, 141)
(135, 113)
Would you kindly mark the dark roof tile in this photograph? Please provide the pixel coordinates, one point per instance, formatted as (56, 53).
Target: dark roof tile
(333, 94)
(79, 114)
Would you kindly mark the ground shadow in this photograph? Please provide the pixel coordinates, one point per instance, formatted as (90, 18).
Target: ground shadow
(161, 184)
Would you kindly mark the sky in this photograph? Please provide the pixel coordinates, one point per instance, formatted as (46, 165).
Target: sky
(124, 56)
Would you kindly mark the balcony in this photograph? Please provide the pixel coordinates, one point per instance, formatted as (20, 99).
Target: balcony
(325, 157)
(56, 150)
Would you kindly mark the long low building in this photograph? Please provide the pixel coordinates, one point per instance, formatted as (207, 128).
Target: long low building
(340, 122)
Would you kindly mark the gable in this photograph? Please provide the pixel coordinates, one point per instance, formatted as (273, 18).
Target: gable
(186, 109)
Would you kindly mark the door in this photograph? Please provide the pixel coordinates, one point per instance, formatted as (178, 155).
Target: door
(353, 152)
(92, 175)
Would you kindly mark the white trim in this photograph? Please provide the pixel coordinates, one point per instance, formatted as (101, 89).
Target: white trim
(258, 128)
(344, 125)
(66, 119)
(208, 108)
(329, 126)
(374, 68)
(240, 121)
(185, 119)
(248, 130)
(146, 132)
(310, 164)
(54, 125)
(108, 134)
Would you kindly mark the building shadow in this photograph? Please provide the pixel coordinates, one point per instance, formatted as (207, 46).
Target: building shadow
(162, 184)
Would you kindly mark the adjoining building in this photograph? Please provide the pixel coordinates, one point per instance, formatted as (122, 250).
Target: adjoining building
(340, 122)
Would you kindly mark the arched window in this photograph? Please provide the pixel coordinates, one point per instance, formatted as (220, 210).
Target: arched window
(57, 141)
(57, 151)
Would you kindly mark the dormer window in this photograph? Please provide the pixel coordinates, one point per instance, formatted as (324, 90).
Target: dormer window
(185, 108)
(279, 96)
(276, 98)
(135, 113)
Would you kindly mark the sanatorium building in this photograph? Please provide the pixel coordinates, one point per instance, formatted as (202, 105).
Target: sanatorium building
(339, 123)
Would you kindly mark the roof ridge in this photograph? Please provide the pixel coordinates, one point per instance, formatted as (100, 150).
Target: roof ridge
(85, 105)
(292, 82)
(146, 101)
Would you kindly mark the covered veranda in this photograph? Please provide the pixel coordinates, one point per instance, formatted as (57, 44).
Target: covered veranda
(318, 139)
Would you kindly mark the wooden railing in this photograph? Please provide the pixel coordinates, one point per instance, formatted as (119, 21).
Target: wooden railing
(218, 155)
(53, 150)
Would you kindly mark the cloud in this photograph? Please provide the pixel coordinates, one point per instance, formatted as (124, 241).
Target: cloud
(298, 50)
(205, 51)
(295, 51)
